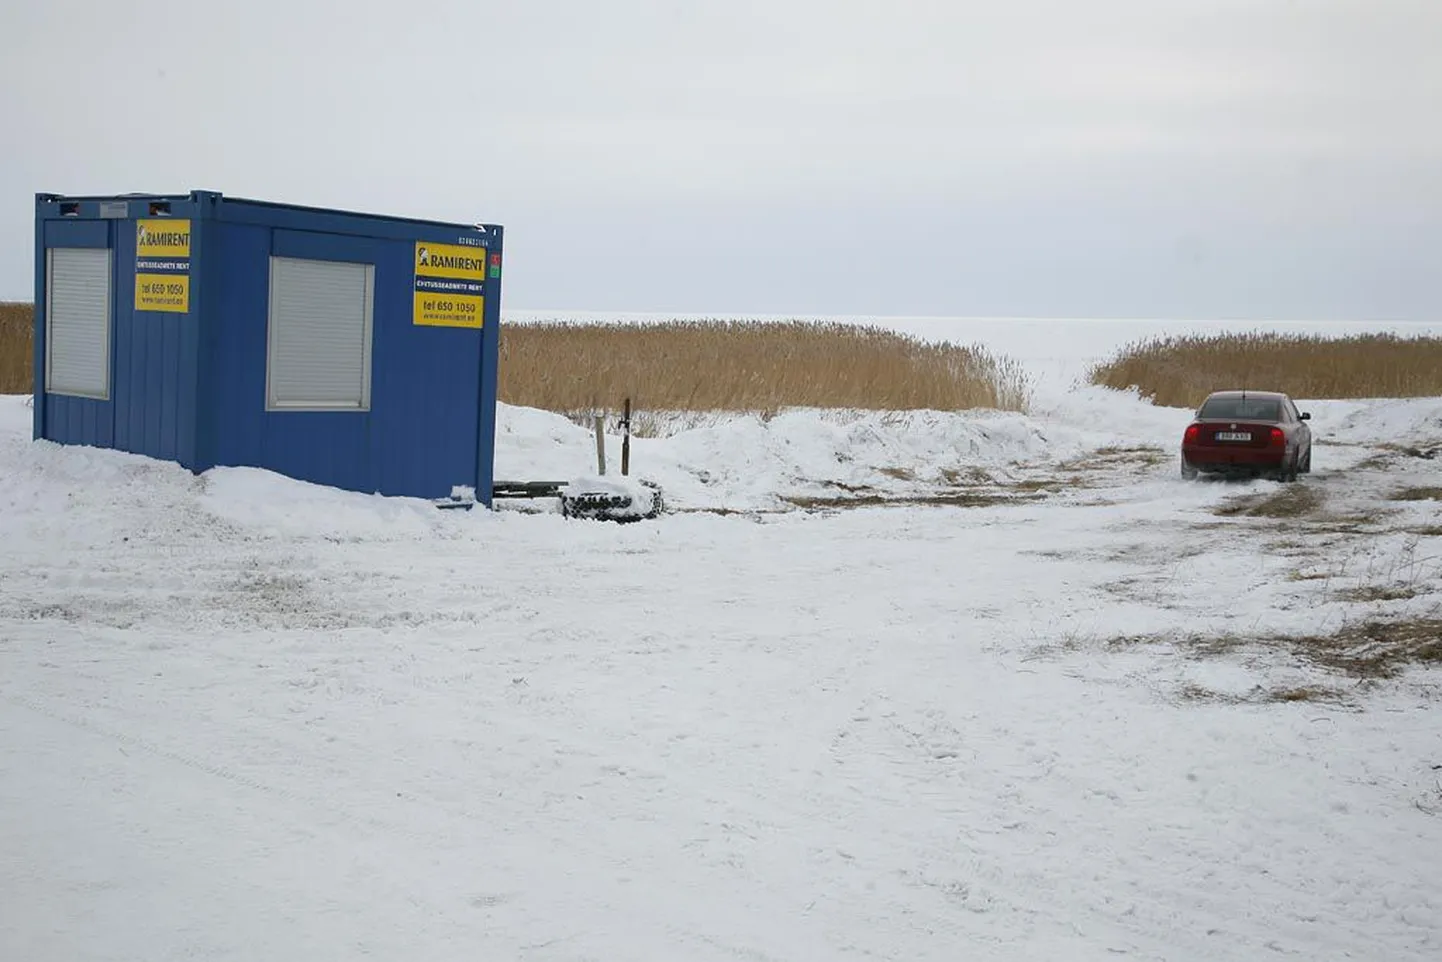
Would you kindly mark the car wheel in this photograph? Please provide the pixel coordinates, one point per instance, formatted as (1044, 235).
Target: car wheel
(1189, 473)
(1307, 461)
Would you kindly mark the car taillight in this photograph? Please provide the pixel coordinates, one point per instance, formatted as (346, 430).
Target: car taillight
(1278, 438)
(1193, 431)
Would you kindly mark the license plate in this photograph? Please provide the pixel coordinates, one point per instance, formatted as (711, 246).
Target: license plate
(1234, 436)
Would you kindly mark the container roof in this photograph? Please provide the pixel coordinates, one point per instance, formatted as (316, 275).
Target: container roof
(196, 195)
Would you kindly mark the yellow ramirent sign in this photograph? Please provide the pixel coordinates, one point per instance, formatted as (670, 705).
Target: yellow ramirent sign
(162, 238)
(450, 260)
(162, 265)
(450, 285)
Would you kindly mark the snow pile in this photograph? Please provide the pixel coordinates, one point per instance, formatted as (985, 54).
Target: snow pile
(268, 505)
(749, 462)
(1415, 421)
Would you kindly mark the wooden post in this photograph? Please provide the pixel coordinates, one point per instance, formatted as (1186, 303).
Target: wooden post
(626, 440)
(601, 443)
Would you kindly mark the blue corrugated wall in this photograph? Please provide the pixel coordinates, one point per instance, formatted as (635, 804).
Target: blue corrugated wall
(152, 404)
(152, 360)
(419, 437)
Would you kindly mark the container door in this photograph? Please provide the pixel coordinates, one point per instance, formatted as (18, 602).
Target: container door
(77, 328)
(77, 345)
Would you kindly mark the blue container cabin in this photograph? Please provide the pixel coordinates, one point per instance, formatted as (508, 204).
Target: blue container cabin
(346, 349)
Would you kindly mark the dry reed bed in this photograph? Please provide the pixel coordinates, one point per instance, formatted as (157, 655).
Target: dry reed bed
(1182, 371)
(702, 366)
(725, 365)
(16, 348)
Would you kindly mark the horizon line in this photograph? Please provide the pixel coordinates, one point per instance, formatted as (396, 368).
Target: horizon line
(1124, 318)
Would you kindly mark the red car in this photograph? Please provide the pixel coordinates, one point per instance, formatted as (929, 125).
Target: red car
(1248, 433)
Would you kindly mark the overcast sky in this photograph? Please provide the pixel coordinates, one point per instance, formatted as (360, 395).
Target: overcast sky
(1152, 158)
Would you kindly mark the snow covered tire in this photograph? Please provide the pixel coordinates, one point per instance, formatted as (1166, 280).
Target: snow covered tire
(611, 506)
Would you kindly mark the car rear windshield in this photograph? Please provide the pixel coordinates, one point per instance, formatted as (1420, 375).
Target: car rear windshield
(1242, 409)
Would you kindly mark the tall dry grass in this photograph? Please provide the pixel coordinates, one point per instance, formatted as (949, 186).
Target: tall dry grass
(16, 347)
(728, 365)
(1182, 371)
(701, 366)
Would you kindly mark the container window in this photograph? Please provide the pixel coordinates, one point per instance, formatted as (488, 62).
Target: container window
(320, 332)
(77, 322)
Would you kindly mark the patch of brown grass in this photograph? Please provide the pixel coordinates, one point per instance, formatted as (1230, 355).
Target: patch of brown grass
(1113, 457)
(17, 355)
(971, 475)
(1180, 371)
(1418, 494)
(1047, 485)
(1144, 452)
(1376, 649)
(1305, 693)
(1356, 519)
(1372, 593)
(1292, 501)
(1410, 450)
(942, 499)
(1192, 692)
(721, 365)
(1367, 650)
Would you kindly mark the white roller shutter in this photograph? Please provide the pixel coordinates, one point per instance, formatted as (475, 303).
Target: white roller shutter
(320, 335)
(77, 322)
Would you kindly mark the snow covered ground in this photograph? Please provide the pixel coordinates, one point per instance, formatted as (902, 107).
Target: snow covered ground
(914, 687)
